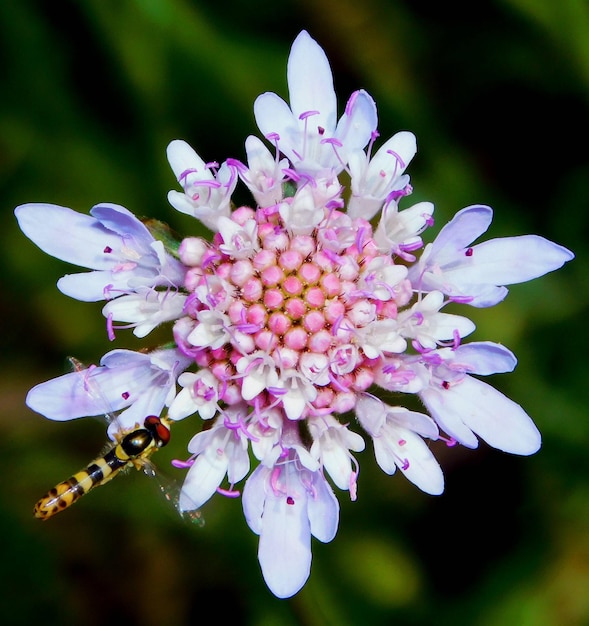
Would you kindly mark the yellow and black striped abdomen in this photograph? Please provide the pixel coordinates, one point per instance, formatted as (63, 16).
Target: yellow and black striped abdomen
(66, 493)
(131, 450)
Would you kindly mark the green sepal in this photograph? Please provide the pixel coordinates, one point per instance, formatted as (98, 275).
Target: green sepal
(289, 188)
(162, 232)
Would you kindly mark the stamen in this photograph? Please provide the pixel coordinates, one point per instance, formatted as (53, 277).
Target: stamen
(110, 328)
(306, 114)
(456, 336)
(182, 464)
(461, 299)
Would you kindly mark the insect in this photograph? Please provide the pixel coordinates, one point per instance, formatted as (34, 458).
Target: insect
(132, 448)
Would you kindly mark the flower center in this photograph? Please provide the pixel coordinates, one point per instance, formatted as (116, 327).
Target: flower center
(287, 317)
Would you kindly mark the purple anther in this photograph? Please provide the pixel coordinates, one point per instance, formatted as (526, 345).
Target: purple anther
(125, 395)
(229, 493)
(360, 234)
(456, 336)
(461, 299)
(468, 252)
(350, 103)
(291, 174)
(186, 173)
(306, 114)
(333, 141)
(212, 184)
(336, 203)
(353, 486)
(410, 247)
(107, 250)
(337, 324)
(238, 165)
(182, 464)
(110, 328)
(419, 348)
(398, 159)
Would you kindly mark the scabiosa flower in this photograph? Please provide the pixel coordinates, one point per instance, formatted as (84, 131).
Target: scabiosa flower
(294, 318)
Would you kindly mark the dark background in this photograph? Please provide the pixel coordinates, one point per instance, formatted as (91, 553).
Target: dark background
(91, 93)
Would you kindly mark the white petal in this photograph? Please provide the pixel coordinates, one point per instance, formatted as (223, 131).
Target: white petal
(495, 418)
(461, 231)
(323, 510)
(273, 115)
(92, 286)
(423, 470)
(511, 260)
(67, 235)
(485, 357)
(254, 495)
(443, 325)
(411, 420)
(182, 158)
(310, 82)
(356, 126)
(444, 408)
(202, 480)
(284, 551)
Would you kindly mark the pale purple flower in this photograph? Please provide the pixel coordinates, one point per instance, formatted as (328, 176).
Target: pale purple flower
(397, 434)
(464, 406)
(123, 254)
(285, 504)
(307, 131)
(207, 193)
(264, 173)
(375, 179)
(477, 274)
(132, 383)
(219, 451)
(298, 314)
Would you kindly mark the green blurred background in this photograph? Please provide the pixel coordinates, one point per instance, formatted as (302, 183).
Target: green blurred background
(496, 92)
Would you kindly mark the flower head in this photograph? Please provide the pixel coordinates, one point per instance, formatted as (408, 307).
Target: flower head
(298, 313)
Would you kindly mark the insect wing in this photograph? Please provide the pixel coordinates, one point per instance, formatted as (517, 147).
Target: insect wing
(95, 396)
(170, 490)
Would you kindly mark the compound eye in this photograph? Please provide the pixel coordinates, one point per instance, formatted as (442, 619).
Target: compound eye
(160, 432)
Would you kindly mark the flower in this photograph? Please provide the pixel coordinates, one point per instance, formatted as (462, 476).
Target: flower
(297, 314)
(123, 254)
(133, 383)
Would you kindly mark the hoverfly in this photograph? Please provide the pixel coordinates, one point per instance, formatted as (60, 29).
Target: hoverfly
(131, 448)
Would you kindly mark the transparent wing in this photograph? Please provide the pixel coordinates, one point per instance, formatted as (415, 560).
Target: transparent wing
(170, 489)
(92, 388)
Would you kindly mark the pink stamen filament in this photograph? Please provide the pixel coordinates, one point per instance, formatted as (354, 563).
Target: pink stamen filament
(229, 493)
(182, 464)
